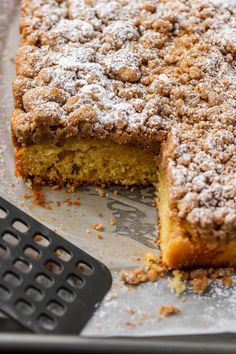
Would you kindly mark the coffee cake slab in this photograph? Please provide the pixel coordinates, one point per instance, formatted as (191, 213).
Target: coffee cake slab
(102, 86)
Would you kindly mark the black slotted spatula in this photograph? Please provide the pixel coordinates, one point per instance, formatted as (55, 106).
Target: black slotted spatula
(46, 283)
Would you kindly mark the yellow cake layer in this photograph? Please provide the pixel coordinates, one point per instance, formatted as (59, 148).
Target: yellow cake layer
(105, 162)
(86, 161)
(180, 245)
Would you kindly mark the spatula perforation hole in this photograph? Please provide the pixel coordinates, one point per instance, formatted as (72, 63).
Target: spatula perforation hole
(11, 239)
(34, 293)
(12, 278)
(3, 213)
(66, 294)
(47, 322)
(75, 281)
(41, 240)
(63, 254)
(24, 307)
(53, 267)
(32, 253)
(5, 293)
(44, 280)
(22, 265)
(4, 252)
(84, 268)
(20, 226)
(56, 308)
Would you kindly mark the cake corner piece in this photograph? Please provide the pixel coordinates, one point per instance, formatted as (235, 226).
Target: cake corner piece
(196, 203)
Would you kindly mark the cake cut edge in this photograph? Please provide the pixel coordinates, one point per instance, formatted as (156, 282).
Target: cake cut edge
(86, 161)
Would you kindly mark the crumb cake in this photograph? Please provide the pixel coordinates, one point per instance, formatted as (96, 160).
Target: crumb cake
(135, 92)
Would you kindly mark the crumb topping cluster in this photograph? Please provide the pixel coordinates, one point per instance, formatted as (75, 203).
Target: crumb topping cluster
(202, 170)
(134, 70)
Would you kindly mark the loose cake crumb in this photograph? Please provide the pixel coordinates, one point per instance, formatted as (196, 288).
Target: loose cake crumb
(100, 191)
(98, 227)
(38, 196)
(28, 183)
(113, 221)
(177, 284)
(132, 311)
(150, 259)
(200, 279)
(227, 282)
(200, 284)
(100, 237)
(130, 324)
(138, 317)
(152, 272)
(38, 238)
(168, 310)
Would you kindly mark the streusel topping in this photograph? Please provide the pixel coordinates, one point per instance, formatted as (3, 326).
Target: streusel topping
(202, 170)
(134, 70)
(132, 67)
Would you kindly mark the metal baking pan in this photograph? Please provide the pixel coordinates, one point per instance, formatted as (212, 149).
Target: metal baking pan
(14, 338)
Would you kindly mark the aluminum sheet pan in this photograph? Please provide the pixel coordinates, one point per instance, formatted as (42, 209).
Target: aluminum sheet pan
(122, 245)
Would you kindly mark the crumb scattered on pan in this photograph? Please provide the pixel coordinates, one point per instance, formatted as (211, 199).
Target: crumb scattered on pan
(130, 324)
(38, 196)
(137, 318)
(227, 282)
(168, 310)
(97, 227)
(38, 238)
(132, 311)
(100, 215)
(71, 202)
(100, 237)
(177, 282)
(55, 187)
(200, 284)
(58, 253)
(70, 189)
(152, 272)
(28, 183)
(150, 259)
(200, 279)
(26, 196)
(113, 221)
(100, 191)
